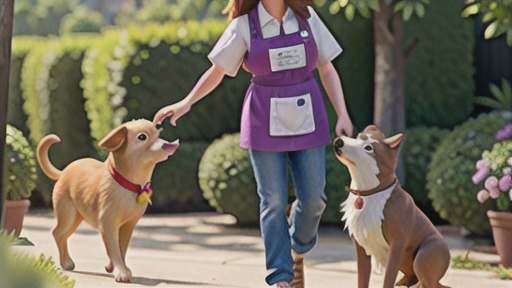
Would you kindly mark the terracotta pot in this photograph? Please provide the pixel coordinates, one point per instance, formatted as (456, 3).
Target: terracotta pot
(14, 213)
(501, 223)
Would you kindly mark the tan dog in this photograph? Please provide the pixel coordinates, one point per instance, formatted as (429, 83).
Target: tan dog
(383, 219)
(105, 194)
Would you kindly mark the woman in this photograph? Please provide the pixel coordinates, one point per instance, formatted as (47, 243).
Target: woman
(283, 118)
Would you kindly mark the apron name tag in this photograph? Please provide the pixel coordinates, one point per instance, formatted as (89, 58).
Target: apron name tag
(287, 58)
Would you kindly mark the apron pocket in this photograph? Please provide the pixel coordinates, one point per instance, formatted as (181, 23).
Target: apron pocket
(291, 116)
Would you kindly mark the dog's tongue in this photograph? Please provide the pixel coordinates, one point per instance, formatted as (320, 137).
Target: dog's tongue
(171, 146)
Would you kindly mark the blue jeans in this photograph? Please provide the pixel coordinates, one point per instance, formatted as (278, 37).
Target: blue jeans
(308, 172)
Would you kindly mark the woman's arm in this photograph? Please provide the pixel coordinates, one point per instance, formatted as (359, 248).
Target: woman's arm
(332, 85)
(209, 81)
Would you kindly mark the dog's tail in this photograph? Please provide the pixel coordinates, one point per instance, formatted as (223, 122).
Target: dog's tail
(42, 156)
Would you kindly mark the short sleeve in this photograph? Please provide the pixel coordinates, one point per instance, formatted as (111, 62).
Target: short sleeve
(328, 48)
(229, 51)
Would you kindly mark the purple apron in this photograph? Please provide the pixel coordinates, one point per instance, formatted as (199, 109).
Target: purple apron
(283, 109)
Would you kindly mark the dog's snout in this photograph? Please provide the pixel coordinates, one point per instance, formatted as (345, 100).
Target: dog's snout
(339, 143)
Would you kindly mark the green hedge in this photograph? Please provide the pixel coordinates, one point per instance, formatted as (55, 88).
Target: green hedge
(439, 82)
(53, 98)
(16, 116)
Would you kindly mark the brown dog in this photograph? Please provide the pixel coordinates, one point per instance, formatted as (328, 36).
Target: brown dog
(108, 195)
(383, 219)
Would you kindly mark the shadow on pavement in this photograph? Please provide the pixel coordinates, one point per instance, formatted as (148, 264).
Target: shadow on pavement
(142, 280)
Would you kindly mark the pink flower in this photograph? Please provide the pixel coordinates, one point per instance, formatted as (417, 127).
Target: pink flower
(482, 196)
(494, 193)
(484, 163)
(505, 183)
(504, 133)
(491, 182)
(480, 175)
(507, 170)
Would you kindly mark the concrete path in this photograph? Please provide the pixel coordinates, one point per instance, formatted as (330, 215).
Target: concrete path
(208, 250)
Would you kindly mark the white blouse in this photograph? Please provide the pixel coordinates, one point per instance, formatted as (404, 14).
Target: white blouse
(229, 51)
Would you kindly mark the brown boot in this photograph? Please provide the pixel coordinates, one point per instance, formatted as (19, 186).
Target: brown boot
(298, 271)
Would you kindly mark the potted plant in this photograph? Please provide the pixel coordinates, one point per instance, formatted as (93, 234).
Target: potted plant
(20, 176)
(496, 168)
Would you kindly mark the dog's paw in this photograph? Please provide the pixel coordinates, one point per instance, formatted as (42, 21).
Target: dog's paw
(69, 265)
(123, 277)
(109, 268)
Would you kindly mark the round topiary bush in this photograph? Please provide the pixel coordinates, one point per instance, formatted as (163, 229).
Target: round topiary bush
(449, 175)
(227, 180)
(175, 184)
(419, 145)
(21, 173)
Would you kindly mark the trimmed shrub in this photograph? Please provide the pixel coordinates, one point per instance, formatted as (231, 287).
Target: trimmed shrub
(159, 73)
(175, 183)
(439, 82)
(82, 20)
(16, 116)
(53, 99)
(40, 17)
(97, 84)
(449, 175)
(21, 172)
(227, 180)
(419, 145)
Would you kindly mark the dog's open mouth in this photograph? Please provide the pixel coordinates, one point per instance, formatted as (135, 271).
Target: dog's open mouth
(171, 147)
(342, 157)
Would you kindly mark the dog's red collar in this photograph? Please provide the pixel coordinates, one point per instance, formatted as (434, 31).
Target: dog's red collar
(368, 192)
(135, 188)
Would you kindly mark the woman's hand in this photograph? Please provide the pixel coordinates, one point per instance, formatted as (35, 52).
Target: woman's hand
(344, 126)
(175, 111)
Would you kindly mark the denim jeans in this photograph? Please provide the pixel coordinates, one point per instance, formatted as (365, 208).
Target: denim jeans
(308, 173)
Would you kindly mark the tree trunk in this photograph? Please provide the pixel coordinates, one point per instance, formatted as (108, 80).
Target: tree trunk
(6, 13)
(389, 113)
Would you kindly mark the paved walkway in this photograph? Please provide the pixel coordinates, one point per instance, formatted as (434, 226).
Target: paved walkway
(207, 250)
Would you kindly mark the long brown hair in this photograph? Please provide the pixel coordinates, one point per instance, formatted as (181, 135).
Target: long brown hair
(237, 8)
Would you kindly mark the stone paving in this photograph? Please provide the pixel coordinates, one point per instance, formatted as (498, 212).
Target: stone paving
(208, 250)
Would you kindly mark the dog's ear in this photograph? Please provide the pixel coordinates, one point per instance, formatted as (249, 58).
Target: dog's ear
(371, 128)
(394, 141)
(114, 140)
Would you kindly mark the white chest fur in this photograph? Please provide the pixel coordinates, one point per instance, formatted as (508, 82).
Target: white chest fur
(365, 224)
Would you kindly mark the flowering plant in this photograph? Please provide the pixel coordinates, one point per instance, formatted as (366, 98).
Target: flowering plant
(496, 165)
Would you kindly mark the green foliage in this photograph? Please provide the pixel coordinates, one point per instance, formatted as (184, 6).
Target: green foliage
(419, 145)
(82, 20)
(54, 102)
(355, 67)
(499, 13)
(97, 84)
(21, 172)
(337, 178)
(24, 270)
(503, 100)
(463, 262)
(409, 7)
(21, 46)
(159, 73)
(175, 184)
(449, 175)
(227, 179)
(439, 83)
(40, 17)
(162, 11)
